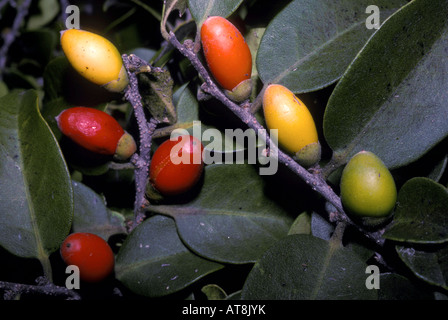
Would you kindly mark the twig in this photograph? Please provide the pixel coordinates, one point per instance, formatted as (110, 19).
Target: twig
(247, 117)
(9, 37)
(141, 160)
(11, 290)
(64, 4)
(314, 179)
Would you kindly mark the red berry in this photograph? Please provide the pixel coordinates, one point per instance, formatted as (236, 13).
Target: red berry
(96, 131)
(177, 165)
(90, 253)
(226, 52)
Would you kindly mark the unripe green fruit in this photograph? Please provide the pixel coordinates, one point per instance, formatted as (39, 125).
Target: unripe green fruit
(368, 189)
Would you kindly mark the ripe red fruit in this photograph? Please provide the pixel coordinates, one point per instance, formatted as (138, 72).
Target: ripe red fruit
(96, 131)
(176, 165)
(90, 253)
(226, 52)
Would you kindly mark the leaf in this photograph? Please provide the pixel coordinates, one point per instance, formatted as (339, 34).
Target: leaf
(310, 43)
(303, 267)
(180, 5)
(396, 287)
(421, 213)
(253, 39)
(428, 264)
(48, 10)
(233, 219)
(156, 88)
(202, 9)
(214, 292)
(35, 189)
(392, 99)
(153, 261)
(92, 215)
(54, 77)
(3, 89)
(302, 224)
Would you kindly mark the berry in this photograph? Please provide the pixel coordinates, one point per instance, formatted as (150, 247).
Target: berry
(367, 187)
(228, 56)
(176, 165)
(90, 253)
(297, 132)
(97, 131)
(95, 58)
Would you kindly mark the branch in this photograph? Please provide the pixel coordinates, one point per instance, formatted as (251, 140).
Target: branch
(13, 289)
(9, 37)
(314, 178)
(141, 161)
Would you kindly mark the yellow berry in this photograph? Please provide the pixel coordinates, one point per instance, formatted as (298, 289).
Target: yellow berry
(290, 116)
(95, 58)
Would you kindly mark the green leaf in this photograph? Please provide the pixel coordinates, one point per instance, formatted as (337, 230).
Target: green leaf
(427, 263)
(154, 262)
(3, 89)
(392, 99)
(302, 267)
(157, 91)
(310, 43)
(35, 189)
(54, 77)
(202, 9)
(180, 5)
(92, 215)
(214, 292)
(233, 219)
(421, 213)
(302, 224)
(48, 10)
(396, 287)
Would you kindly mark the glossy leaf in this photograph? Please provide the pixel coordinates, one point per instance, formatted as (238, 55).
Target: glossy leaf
(310, 43)
(202, 9)
(392, 99)
(92, 215)
(429, 264)
(154, 262)
(35, 188)
(421, 213)
(233, 219)
(303, 267)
